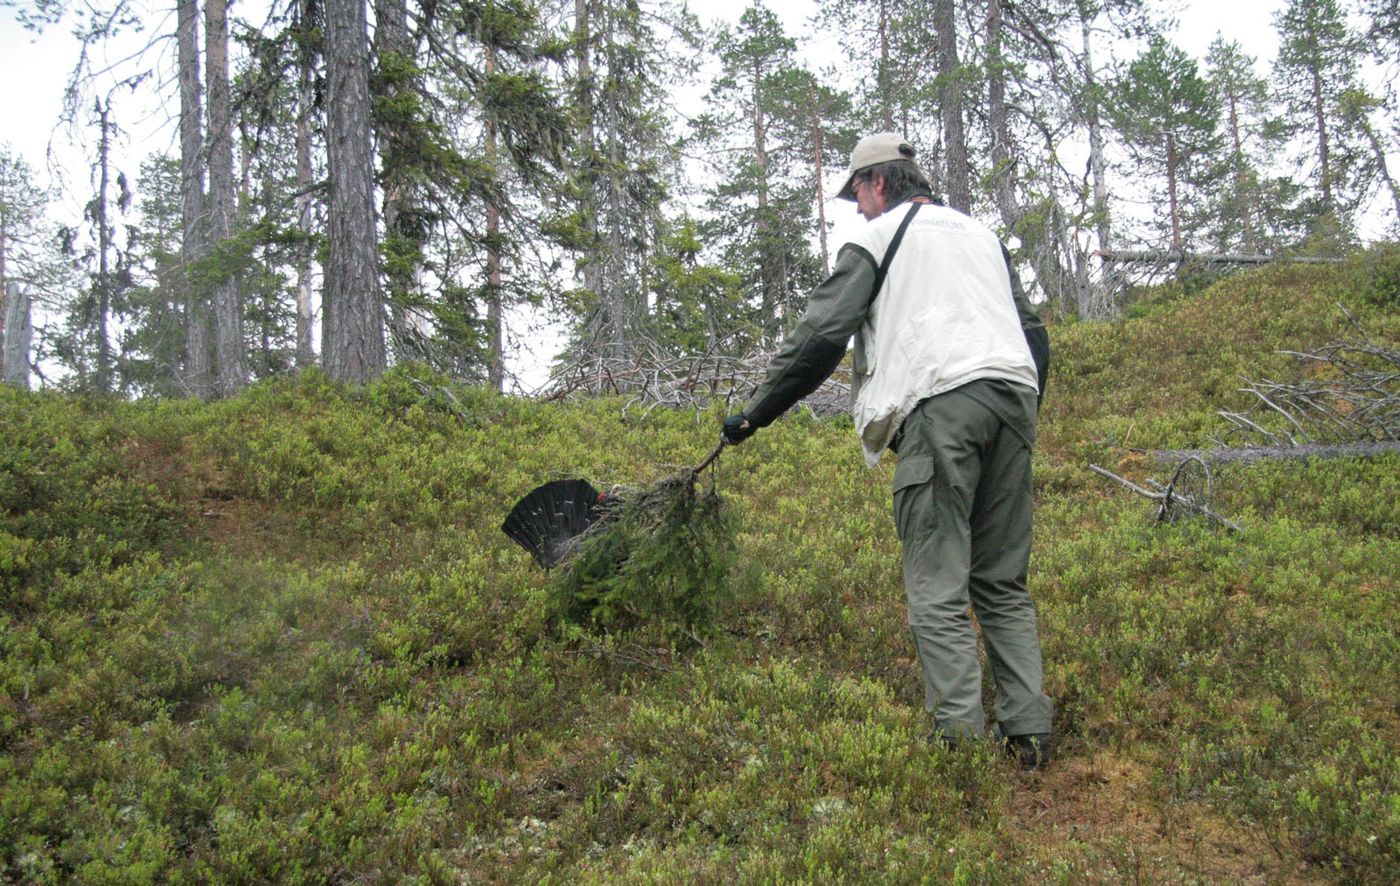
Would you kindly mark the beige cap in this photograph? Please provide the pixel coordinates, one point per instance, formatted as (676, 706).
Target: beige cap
(881, 147)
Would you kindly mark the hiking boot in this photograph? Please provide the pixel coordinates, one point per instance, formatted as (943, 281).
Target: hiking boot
(1031, 751)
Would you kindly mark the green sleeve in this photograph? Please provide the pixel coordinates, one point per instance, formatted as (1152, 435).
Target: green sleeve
(815, 347)
(1031, 325)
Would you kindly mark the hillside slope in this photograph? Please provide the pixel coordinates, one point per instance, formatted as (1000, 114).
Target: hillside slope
(282, 638)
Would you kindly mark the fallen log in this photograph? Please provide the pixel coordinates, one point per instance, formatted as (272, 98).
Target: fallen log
(1230, 455)
(1171, 256)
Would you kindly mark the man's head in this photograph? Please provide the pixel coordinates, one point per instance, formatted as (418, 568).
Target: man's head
(882, 173)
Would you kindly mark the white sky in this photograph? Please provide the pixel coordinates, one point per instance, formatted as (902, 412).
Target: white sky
(34, 71)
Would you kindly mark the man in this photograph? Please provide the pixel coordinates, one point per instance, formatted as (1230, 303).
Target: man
(950, 360)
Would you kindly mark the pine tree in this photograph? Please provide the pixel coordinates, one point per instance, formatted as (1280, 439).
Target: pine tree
(1357, 106)
(1316, 66)
(1167, 115)
(1243, 97)
(757, 126)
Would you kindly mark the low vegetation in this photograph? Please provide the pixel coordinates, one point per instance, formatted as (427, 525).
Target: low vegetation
(282, 638)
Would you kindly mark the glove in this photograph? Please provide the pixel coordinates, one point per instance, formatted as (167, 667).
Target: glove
(737, 429)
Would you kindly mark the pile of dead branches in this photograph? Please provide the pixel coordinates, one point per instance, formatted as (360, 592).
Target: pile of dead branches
(1351, 395)
(652, 378)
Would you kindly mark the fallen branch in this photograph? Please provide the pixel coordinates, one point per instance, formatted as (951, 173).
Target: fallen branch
(1167, 498)
(651, 378)
(1357, 400)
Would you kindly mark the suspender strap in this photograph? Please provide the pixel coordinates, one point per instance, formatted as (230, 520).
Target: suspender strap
(892, 249)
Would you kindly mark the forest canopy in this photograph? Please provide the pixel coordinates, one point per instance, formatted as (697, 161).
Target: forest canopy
(358, 185)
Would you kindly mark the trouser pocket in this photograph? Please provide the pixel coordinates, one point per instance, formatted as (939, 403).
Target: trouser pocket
(913, 497)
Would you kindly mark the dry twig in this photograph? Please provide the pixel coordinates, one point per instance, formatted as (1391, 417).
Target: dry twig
(1172, 497)
(1358, 400)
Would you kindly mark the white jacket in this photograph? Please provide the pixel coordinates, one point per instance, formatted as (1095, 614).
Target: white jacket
(944, 317)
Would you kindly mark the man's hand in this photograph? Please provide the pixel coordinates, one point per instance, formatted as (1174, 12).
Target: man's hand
(737, 429)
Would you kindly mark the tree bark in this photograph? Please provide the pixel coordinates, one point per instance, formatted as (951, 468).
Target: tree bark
(306, 347)
(1097, 166)
(1129, 256)
(950, 92)
(1324, 148)
(583, 100)
(231, 370)
(102, 343)
(1003, 181)
(18, 336)
(352, 344)
(770, 281)
(1378, 151)
(1173, 200)
(1289, 453)
(495, 314)
(4, 270)
(199, 364)
(818, 171)
(882, 71)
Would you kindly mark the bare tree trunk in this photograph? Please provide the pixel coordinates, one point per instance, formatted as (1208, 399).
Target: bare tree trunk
(18, 336)
(616, 295)
(306, 347)
(818, 171)
(199, 372)
(1324, 149)
(104, 246)
(882, 72)
(1097, 166)
(1173, 201)
(1243, 200)
(232, 373)
(1003, 180)
(950, 94)
(495, 321)
(395, 54)
(4, 273)
(583, 98)
(1378, 151)
(770, 283)
(352, 344)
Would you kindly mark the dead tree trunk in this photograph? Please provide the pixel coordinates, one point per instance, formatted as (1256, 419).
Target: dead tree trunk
(1232, 455)
(1172, 256)
(18, 336)
(306, 347)
(495, 313)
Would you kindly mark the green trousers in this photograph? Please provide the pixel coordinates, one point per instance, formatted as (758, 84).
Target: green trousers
(962, 505)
